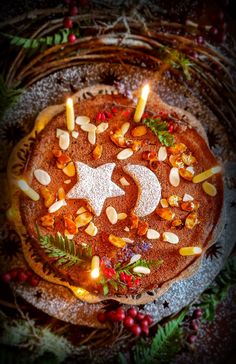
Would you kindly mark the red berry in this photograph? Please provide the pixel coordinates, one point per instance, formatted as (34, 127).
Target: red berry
(136, 329)
(73, 10)
(114, 110)
(145, 329)
(171, 128)
(191, 339)
(200, 39)
(132, 312)
(149, 319)
(103, 116)
(197, 313)
(99, 115)
(6, 277)
(67, 23)
(140, 316)
(144, 322)
(13, 273)
(111, 315)
(108, 114)
(22, 276)
(120, 314)
(33, 281)
(194, 325)
(71, 38)
(128, 321)
(101, 316)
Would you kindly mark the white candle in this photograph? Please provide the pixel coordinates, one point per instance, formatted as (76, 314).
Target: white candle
(70, 116)
(28, 191)
(95, 264)
(141, 103)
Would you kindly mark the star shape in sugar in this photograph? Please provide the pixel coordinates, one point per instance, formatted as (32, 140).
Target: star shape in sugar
(95, 185)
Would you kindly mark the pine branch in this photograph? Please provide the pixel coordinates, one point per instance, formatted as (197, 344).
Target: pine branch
(64, 250)
(51, 40)
(164, 345)
(160, 129)
(8, 96)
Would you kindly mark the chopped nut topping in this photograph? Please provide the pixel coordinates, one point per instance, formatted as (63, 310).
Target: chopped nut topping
(162, 154)
(75, 134)
(165, 213)
(177, 148)
(125, 154)
(170, 237)
(97, 152)
(153, 234)
(187, 197)
(139, 131)
(111, 215)
(124, 128)
(42, 177)
(64, 141)
(47, 221)
(82, 120)
(174, 200)
(124, 181)
(142, 228)
(174, 177)
(116, 241)
(48, 196)
(80, 210)
(67, 181)
(102, 127)
(92, 137)
(88, 127)
(56, 206)
(91, 229)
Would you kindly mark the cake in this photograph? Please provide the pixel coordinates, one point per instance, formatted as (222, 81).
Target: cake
(116, 202)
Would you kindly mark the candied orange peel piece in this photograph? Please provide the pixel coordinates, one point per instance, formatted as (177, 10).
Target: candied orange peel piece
(116, 241)
(165, 213)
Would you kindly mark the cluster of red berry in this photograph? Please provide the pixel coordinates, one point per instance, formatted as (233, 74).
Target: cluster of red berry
(106, 115)
(20, 275)
(129, 279)
(72, 11)
(193, 323)
(133, 320)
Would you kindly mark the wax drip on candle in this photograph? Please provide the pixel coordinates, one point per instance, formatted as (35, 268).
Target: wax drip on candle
(141, 103)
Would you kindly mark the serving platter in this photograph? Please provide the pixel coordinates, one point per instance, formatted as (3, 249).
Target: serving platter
(59, 301)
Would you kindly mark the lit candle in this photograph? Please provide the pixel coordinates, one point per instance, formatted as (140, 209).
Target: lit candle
(190, 250)
(141, 104)
(95, 267)
(206, 174)
(28, 191)
(70, 116)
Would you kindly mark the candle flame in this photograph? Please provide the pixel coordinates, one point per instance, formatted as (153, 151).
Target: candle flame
(23, 185)
(95, 273)
(69, 102)
(145, 92)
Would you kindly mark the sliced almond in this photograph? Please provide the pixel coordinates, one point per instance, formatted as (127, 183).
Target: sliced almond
(128, 240)
(127, 229)
(125, 154)
(174, 177)
(75, 134)
(82, 120)
(141, 269)
(153, 234)
(56, 206)
(134, 258)
(102, 127)
(92, 137)
(59, 132)
(190, 169)
(111, 215)
(170, 237)
(83, 219)
(80, 210)
(67, 181)
(124, 128)
(91, 229)
(121, 216)
(209, 189)
(69, 170)
(124, 181)
(164, 202)
(42, 177)
(64, 141)
(187, 197)
(88, 127)
(61, 193)
(139, 131)
(162, 154)
(116, 241)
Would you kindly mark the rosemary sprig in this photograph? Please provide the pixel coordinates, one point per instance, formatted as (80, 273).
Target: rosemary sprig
(160, 129)
(64, 250)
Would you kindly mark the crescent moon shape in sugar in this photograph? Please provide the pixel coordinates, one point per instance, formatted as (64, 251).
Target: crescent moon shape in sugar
(149, 189)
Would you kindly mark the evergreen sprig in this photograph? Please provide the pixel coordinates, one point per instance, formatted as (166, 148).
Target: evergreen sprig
(8, 95)
(217, 292)
(51, 40)
(160, 129)
(64, 250)
(176, 60)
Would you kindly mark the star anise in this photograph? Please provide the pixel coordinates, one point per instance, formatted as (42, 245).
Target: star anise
(214, 251)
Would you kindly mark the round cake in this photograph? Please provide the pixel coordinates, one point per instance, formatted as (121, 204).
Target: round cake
(119, 208)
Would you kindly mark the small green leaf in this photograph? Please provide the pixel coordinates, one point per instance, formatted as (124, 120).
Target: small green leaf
(105, 290)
